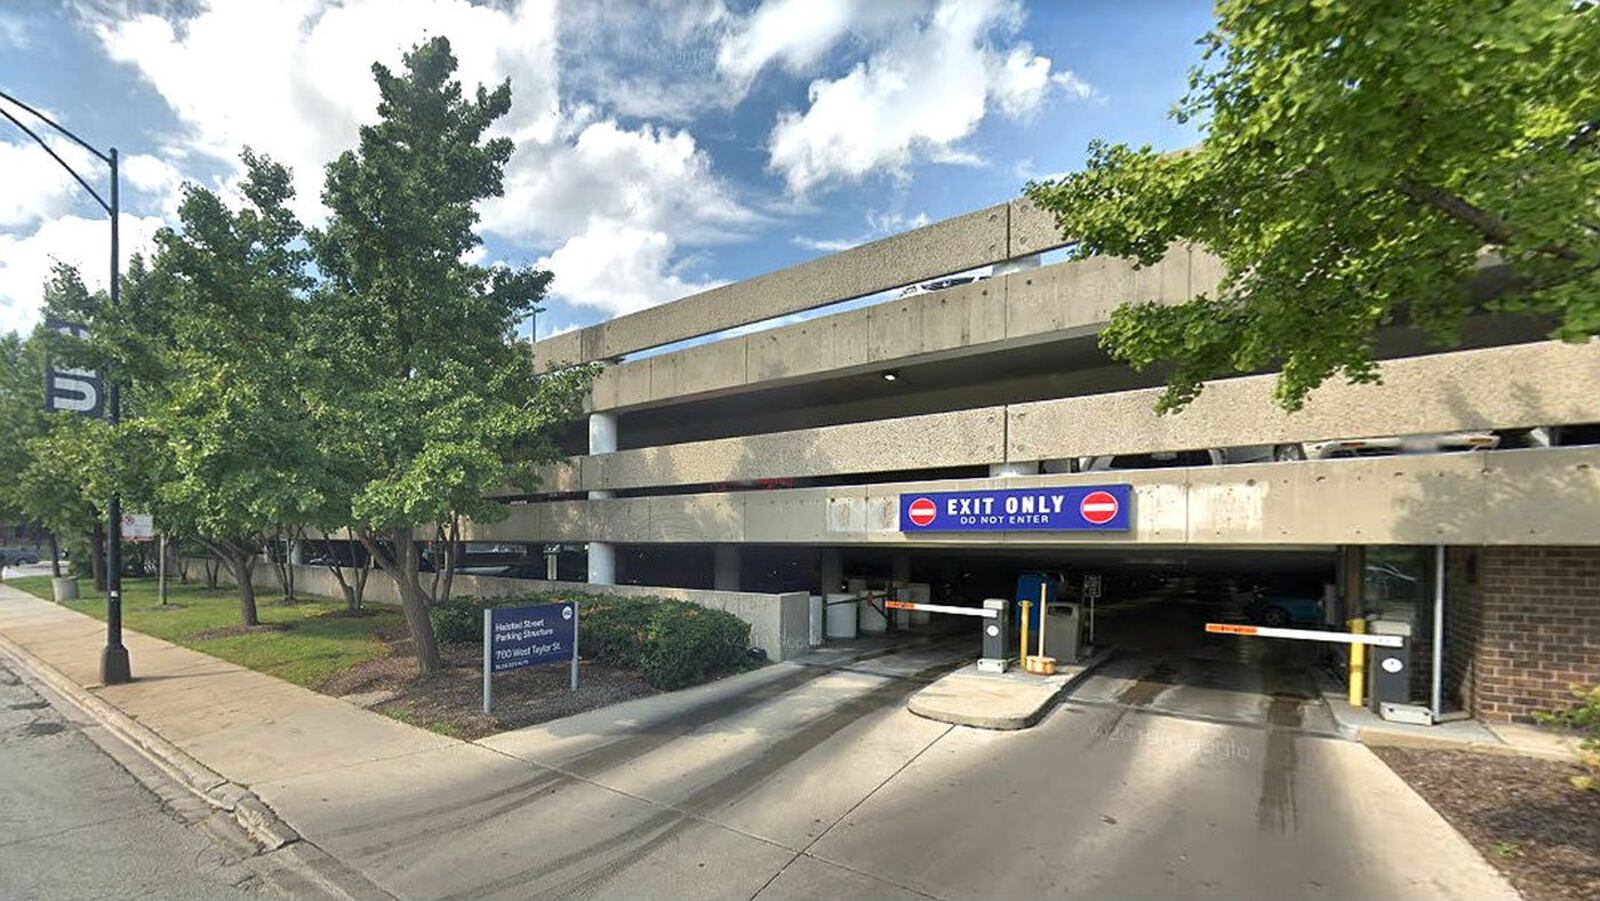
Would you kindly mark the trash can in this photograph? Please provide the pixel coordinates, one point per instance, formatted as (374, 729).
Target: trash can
(871, 619)
(841, 616)
(1063, 631)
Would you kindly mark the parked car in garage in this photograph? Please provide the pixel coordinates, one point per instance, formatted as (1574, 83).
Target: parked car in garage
(1157, 460)
(1436, 443)
(1270, 608)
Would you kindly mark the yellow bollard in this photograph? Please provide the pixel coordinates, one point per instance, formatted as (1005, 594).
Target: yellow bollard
(1358, 663)
(1022, 647)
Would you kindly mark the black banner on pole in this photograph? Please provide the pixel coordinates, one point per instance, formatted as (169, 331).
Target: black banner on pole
(78, 391)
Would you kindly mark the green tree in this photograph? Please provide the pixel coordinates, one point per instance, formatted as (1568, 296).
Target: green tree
(1364, 164)
(220, 429)
(38, 480)
(427, 402)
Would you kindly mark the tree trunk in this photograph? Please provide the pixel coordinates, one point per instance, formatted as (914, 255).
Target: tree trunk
(97, 557)
(401, 563)
(55, 557)
(211, 567)
(359, 596)
(181, 564)
(454, 539)
(244, 565)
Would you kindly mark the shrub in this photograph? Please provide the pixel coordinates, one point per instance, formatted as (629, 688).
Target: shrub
(459, 620)
(673, 644)
(1584, 718)
(688, 642)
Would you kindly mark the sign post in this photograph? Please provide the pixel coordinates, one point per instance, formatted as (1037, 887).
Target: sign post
(1091, 593)
(515, 637)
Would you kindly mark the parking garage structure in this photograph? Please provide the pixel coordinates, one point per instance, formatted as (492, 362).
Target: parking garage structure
(760, 443)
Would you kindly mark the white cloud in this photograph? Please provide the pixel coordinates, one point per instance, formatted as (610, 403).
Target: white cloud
(619, 268)
(292, 78)
(26, 260)
(34, 187)
(158, 178)
(578, 181)
(917, 97)
(879, 225)
(795, 34)
(653, 178)
(653, 59)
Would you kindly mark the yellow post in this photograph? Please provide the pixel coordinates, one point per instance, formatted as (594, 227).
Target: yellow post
(1022, 647)
(1358, 662)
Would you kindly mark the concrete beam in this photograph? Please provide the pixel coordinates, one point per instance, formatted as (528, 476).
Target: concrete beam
(1528, 496)
(1516, 386)
(913, 442)
(952, 245)
(1027, 307)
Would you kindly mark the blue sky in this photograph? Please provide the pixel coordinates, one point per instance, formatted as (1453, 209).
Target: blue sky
(662, 148)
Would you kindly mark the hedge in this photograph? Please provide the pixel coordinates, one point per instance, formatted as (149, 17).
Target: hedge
(671, 643)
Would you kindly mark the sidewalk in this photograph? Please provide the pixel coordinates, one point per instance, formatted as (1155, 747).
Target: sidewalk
(1361, 724)
(232, 728)
(620, 797)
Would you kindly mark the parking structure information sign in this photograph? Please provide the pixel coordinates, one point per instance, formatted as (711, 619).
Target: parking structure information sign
(515, 637)
(1087, 508)
(524, 636)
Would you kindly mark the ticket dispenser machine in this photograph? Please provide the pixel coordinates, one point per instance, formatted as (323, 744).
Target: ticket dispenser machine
(996, 636)
(1389, 674)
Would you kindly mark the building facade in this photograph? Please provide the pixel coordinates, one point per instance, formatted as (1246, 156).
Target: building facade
(765, 437)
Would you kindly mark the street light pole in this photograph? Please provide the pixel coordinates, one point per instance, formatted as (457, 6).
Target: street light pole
(114, 667)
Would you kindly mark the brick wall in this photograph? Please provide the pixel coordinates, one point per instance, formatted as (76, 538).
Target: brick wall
(1525, 624)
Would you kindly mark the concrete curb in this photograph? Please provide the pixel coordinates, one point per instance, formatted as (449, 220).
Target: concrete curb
(1377, 737)
(258, 821)
(1010, 722)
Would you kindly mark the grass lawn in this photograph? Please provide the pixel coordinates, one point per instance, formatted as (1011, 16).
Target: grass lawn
(316, 645)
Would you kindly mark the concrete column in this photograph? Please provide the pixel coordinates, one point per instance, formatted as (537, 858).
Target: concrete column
(1004, 470)
(602, 554)
(725, 569)
(831, 575)
(602, 433)
(297, 553)
(900, 572)
(1032, 261)
(602, 563)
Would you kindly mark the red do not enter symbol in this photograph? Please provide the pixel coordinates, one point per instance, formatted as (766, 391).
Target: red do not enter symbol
(921, 512)
(1098, 507)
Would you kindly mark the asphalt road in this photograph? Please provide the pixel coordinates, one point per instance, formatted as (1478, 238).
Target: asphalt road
(74, 823)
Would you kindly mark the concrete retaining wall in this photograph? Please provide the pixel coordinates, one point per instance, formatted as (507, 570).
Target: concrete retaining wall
(778, 622)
